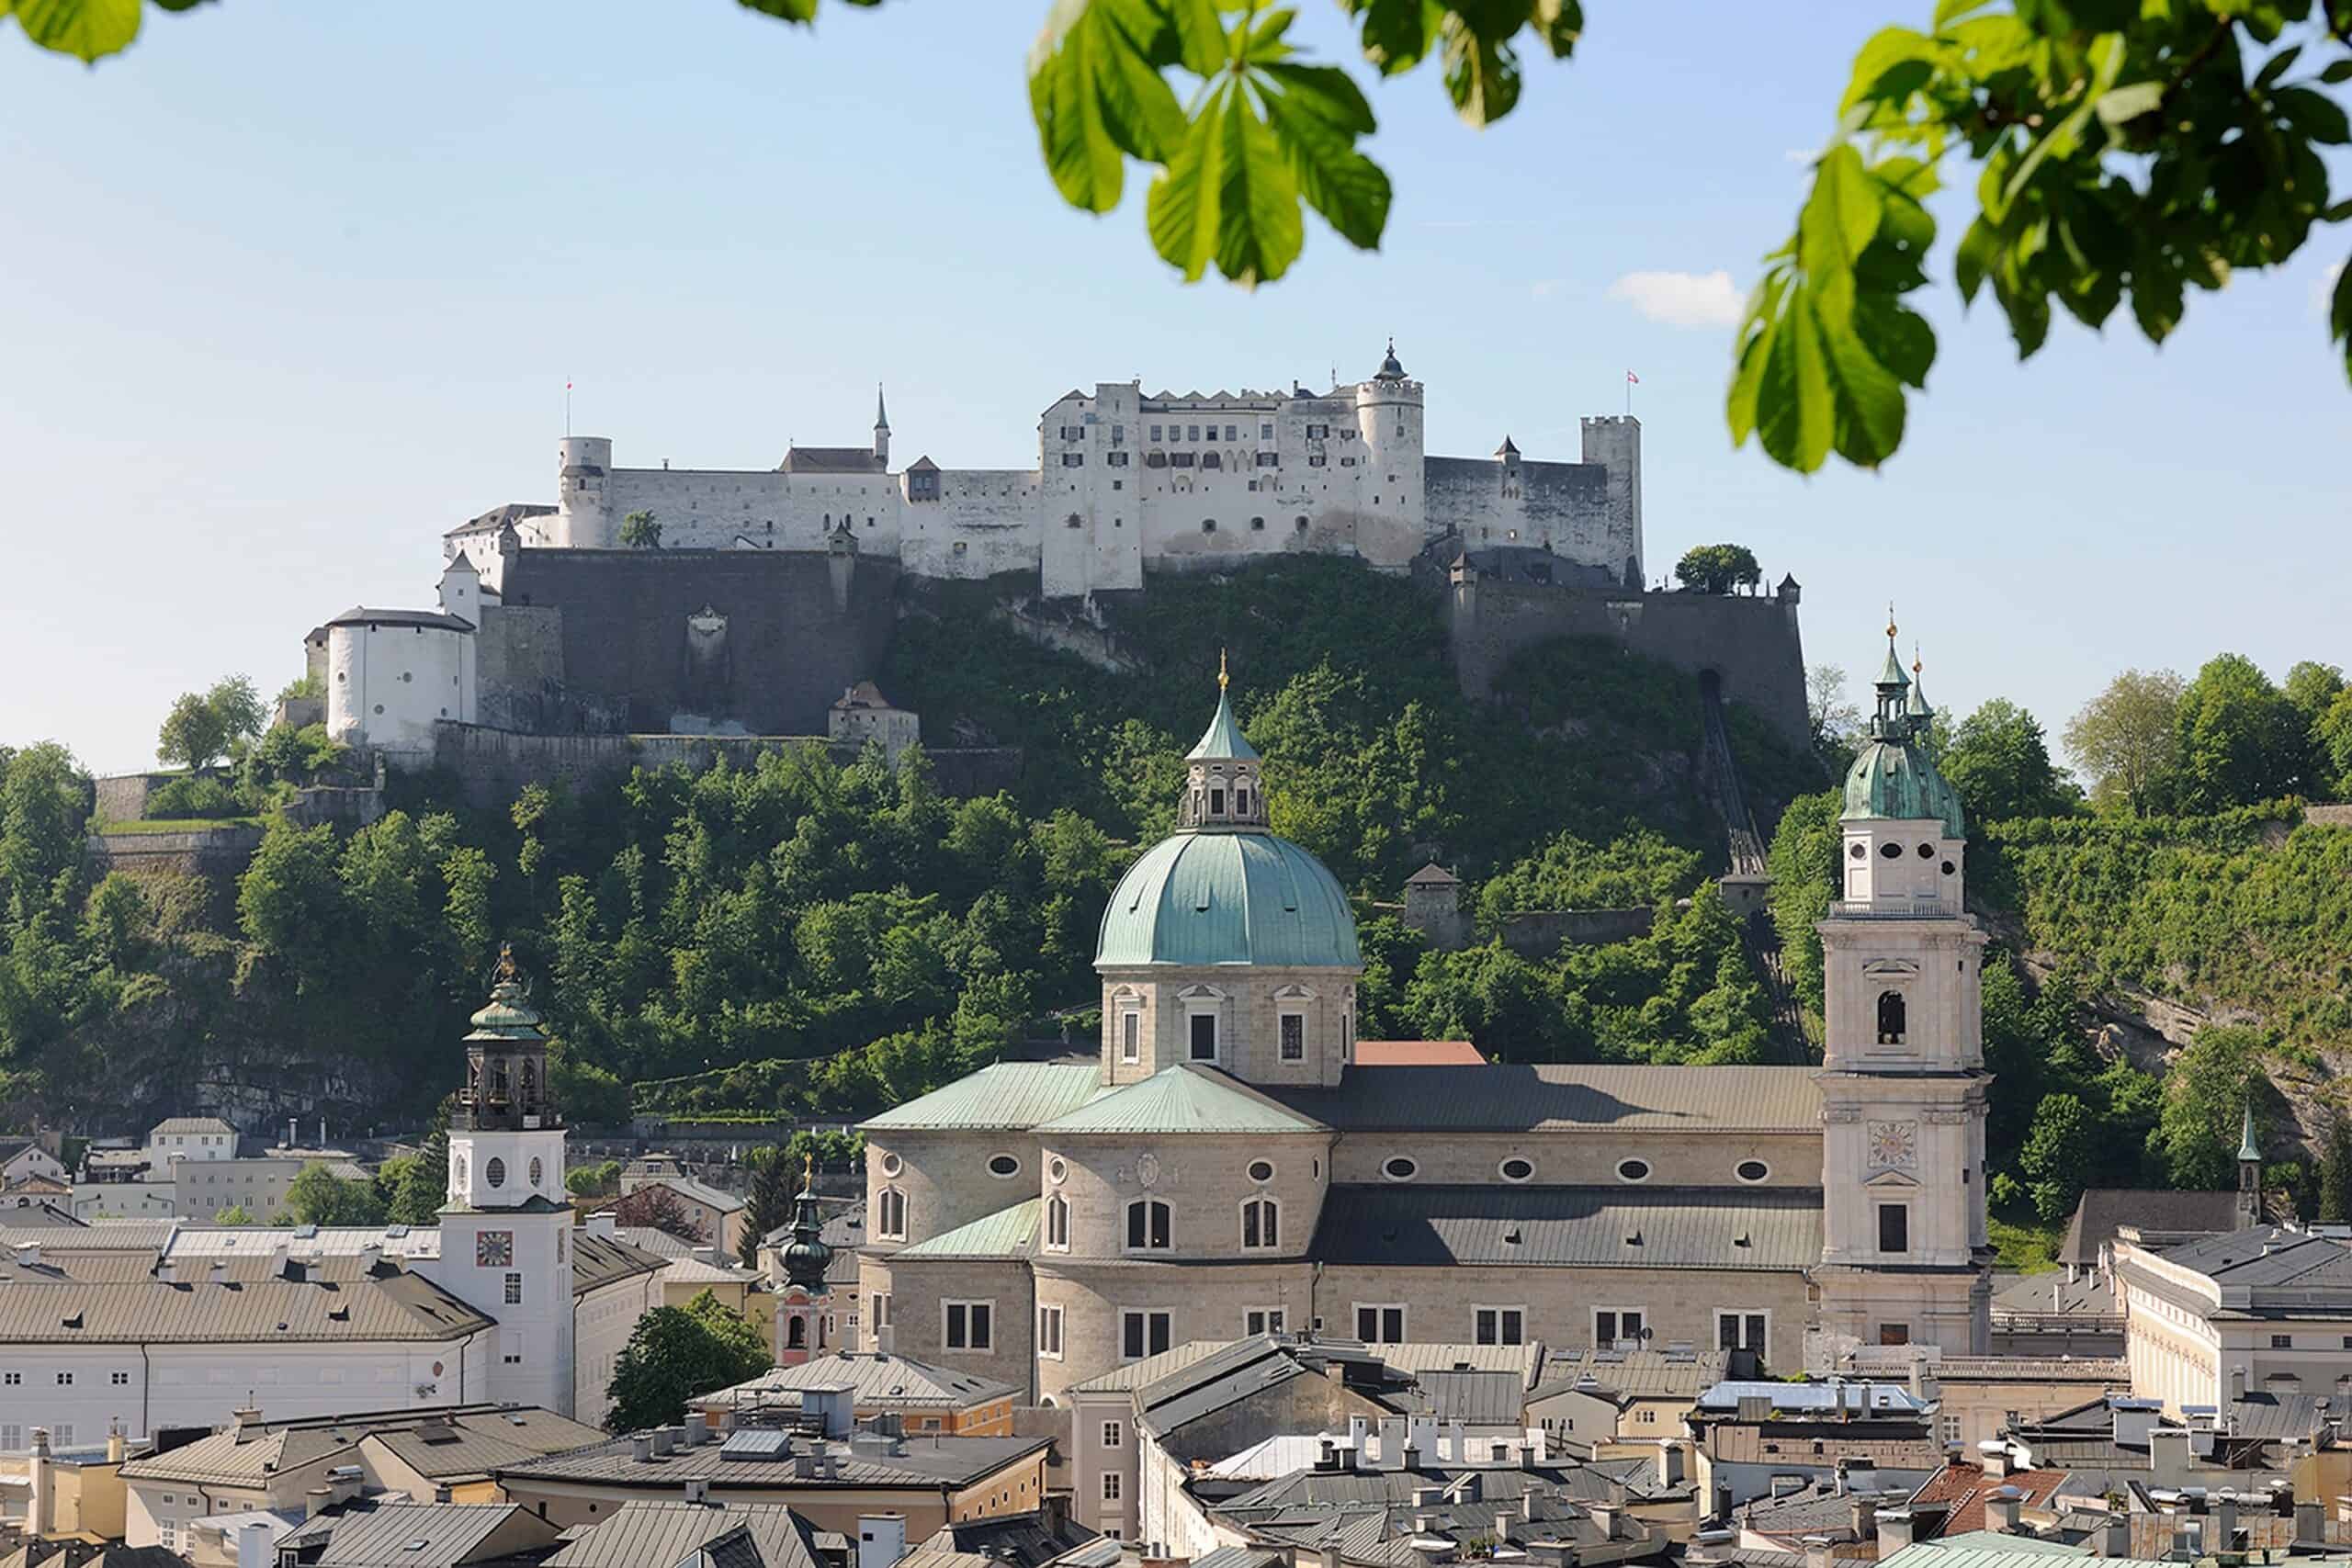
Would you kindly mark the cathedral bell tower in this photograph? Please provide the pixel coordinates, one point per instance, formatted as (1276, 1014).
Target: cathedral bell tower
(803, 1315)
(1905, 1255)
(506, 1230)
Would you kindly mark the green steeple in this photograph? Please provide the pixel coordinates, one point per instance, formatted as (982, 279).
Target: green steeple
(1893, 776)
(2247, 1149)
(808, 1256)
(1916, 708)
(1223, 739)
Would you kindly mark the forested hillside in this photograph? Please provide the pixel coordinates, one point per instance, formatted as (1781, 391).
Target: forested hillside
(802, 937)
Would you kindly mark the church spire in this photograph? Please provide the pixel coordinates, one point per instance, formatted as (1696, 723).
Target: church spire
(805, 1260)
(881, 430)
(881, 414)
(1221, 786)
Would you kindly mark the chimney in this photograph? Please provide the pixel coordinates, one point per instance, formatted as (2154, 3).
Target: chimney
(2001, 1509)
(665, 1440)
(2134, 1419)
(116, 1446)
(29, 1255)
(244, 1423)
(1392, 1441)
(1893, 1533)
(698, 1491)
(1817, 1551)
(1328, 1555)
(1862, 1514)
(218, 1274)
(1919, 1381)
(881, 1539)
(603, 1222)
(2237, 1384)
(1469, 1488)
(1457, 1442)
(37, 1475)
(2225, 1521)
(316, 1501)
(641, 1447)
(1605, 1515)
(1993, 1455)
(1425, 1496)
(1504, 1520)
(2309, 1531)
(254, 1547)
(2113, 1538)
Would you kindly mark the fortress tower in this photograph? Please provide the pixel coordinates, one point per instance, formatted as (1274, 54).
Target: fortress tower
(584, 517)
(1389, 415)
(1905, 1255)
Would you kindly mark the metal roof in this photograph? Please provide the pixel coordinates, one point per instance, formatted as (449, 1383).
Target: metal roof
(1245, 1368)
(1216, 897)
(1620, 1227)
(1005, 1234)
(438, 1534)
(1223, 739)
(697, 1191)
(1562, 1097)
(2265, 1257)
(393, 1306)
(650, 1534)
(1842, 1394)
(2105, 1211)
(171, 1125)
(1003, 1095)
(928, 1461)
(1928, 1555)
(425, 620)
(1633, 1374)
(877, 1379)
(279, 1448)
(1152, 1369)
(1186, 1098)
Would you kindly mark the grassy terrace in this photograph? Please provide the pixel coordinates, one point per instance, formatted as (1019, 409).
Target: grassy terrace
(176, 825)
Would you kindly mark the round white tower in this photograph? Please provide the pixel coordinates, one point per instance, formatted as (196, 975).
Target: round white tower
(1388, 418)
(583, 518)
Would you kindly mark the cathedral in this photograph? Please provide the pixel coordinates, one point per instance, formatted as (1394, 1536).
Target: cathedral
(1226, 1167)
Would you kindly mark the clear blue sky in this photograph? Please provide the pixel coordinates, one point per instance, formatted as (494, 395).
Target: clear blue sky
(291, 288)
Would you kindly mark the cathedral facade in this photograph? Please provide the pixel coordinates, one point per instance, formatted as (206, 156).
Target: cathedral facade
(1226, 1167)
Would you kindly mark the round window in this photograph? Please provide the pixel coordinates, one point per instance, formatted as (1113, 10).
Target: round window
(892, 1164)
(1004, 1164)
(1891, 852)
(1950, 868)
(1752, 1171)
(1261, 1170)
(1927, 851)
(1517, 1169)
(1399, 1169)
(1633, 1169)
(1856, 853)
(1057, 1167)
(538, 1171)
(494, 1172)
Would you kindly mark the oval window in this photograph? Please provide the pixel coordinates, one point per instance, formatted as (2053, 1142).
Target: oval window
(892, 1164)
(1752, 1171)
(1057, 1167)
(1927, 851)
(1891, 852)
(1633, 1169)
(1399, 1169)
(1004, 1164)
(1856, 853)
(1261, 1170)
(1517, 1169)
(494, 1172)
(538, 1171)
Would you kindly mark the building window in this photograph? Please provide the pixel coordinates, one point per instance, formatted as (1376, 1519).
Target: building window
(970, 1325)
(1890, 1018)
(1751, 1170)
(1073, 433)
(1613, 1326)
(1740, 1330)
(890, 1225)
(1260, 1223)
(1049, 1333)
(1895, 1334)
(1399, 1168)
(1004, 1166)
(1262, 1320)
(1292, 1027)
(120, 1380)
(1893, 1228)
(1111, 1487)
(1130, 1037)
(1633, 1171)
(1270, 459)
(1202, 1027)
(1315, 461)
(1144, 1333)
(65, 1380)
(1380, 1323)
(1499, 1325)
(1257, 525)
(1318, 432)
(513, 1290)
(1516, 1168)
(1155, 433)
(1148, 1226)
(1073, 460)
(1056, 1223)
(1115, 459)
(1192, 432)
(880, 1311)
(1114, 1434)
(1208, 525)
(2282, 1342)
(494, 1172)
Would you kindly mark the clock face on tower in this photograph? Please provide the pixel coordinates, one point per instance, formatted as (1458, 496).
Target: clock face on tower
(493, 1249)
(1893, 1146)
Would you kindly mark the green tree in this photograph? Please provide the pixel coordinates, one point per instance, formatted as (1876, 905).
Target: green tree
(45, 800)
(2332, 747)
(318, 1197)
(1718, 569)
(1639, 868)
(1836, 720)
(594, 1179)
(416, 1197)
(2237, 738)
(1999, 762)
(234, 1214)
(2058, 1154)
(1805, 877)
(202, 728)
(2205, 1097)
(289, 900)
(768, 1202)
(2335, 1173)
(641, 531)
(676, 1354)
(2127, 739)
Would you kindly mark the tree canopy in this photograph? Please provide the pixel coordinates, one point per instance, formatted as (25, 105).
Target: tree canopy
(1718, 569)
(204, 726)
(2125, 739)
(675, 1354)
(1997, 760)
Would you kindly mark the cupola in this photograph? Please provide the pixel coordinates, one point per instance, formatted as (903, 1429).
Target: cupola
(807, 1258)
(1390, 368)
(1221, 783)
(506, 1060)
(1904, 829)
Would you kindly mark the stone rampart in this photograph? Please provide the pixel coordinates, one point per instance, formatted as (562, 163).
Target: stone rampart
(1540, 933)
(491, 766)
(1750, 644)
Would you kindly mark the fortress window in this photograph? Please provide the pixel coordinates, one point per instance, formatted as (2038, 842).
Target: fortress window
(1380, 1323)
(1208, 525)
(1298, 524)
(1318, 432)
(890, 1225)
(1500, 1326)
(1265, 432)
(968, 1326)
(1241, 803)
(494, 1172)
(1891, 852)
(1156, 461)
(1073, 460)
(1950, 868)
(1270, 459)
(959, 548)
(1211, 460)
(1257, 525)
(1073, 433)
(1315, 461)
(1150, 1226)
(1118, 435)
(1143, 1333)
(1614, 1326)
(1071, 521)
(1261, 1222)
(1890, 1018)
(1180, 460)
(1347, 462)
(1192, 433)
(1155, 433)
(1117, 459)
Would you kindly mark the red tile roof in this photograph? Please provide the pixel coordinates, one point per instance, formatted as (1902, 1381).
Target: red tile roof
(1417, 1053)
(1964, 1488)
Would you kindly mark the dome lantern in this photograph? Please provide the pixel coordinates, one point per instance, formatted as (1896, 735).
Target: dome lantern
(1222, 788)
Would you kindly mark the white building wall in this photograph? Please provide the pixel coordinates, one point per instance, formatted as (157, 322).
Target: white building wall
(606, 1316)
(388, 684)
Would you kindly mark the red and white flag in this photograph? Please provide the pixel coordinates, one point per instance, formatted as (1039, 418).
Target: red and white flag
(1632, 379)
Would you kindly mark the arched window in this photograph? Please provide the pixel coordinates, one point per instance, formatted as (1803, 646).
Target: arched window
(795, 1333)
(530, 1085)
(1261, 1222)
(1056, 1223)
(890, 1225)
(1890, 1018)
(1299, 524)
(1150, 1226)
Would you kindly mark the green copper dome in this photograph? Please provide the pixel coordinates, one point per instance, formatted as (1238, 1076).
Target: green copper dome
(1229, 898)
(1897, 779)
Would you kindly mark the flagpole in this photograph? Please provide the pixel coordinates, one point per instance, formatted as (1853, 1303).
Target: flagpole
(567, 408)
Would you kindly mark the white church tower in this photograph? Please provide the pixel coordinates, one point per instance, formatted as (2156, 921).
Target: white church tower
(506, 1232)
(1905, 1256)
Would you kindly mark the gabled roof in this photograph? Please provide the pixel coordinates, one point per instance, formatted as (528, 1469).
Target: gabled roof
(1562, 1097)
(597, 1261)
(663, 1533)
(237, 1457)
(171, 1125)
(1964, 1489)
(1152, 1369)
(1620, 1376)
(365, 1535)
(878, 1379)
(1005, 1234)
(2105, 1211)
(1432, 875)
(697, 1191)
(830, 460)
(1412, 1225)
(1005, 1095)
(2265, 1257)
(1186, 1098)
(390, 1305)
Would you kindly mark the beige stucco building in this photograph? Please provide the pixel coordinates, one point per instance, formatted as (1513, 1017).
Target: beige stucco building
(1227, 1166)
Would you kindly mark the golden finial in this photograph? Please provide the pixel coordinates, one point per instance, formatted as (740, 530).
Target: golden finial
(1221, 676)
(1915, 658)
(808, 1170)
(507, 961)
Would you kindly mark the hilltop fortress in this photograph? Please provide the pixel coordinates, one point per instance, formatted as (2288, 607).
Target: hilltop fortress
(1125, 484)
(759, 603)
